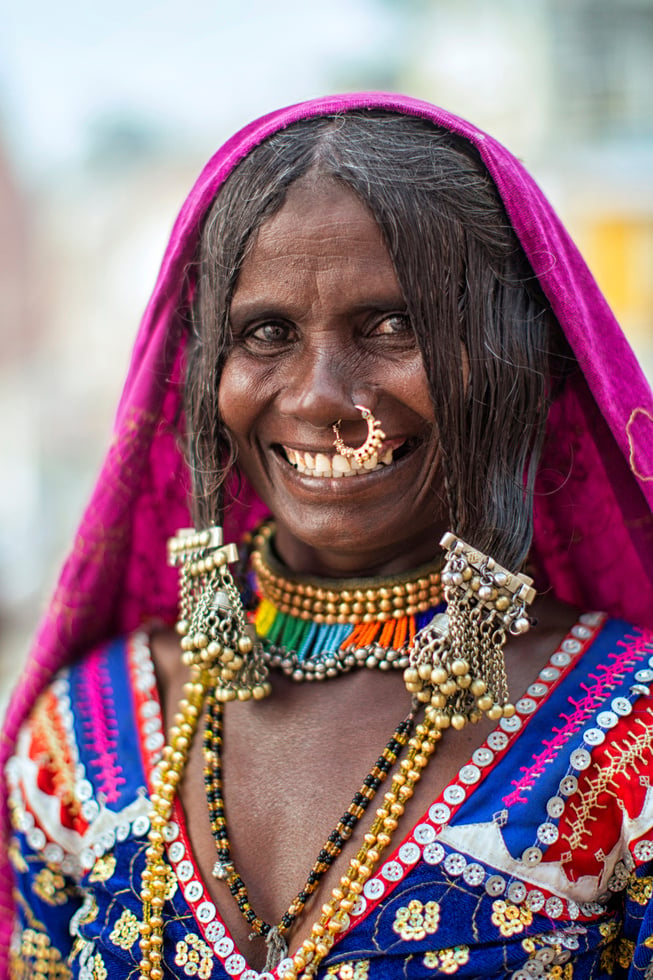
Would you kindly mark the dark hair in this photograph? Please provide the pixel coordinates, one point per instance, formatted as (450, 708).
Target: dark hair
(464, 277)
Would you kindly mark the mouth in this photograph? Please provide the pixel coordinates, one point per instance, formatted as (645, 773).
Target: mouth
(328, 466)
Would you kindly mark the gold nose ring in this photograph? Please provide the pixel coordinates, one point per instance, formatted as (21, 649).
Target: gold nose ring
(371, 446)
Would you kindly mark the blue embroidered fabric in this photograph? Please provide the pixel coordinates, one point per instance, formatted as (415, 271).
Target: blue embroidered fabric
(536, 861)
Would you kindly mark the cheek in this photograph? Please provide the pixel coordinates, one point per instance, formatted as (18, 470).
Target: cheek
(413, 389)
(235, 401)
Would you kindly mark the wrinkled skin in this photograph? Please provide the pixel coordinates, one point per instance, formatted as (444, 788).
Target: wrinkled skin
(319, 323)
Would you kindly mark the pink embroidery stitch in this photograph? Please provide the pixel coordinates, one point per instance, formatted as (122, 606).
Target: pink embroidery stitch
(610, 677)
(100, 726)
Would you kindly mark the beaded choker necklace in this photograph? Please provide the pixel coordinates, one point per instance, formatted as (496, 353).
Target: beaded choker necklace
(313, 629)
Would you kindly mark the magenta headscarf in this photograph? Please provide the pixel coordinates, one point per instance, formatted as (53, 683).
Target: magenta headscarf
(593, 526)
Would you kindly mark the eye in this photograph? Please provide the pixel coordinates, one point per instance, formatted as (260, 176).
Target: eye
(271, 334)
(395, 323)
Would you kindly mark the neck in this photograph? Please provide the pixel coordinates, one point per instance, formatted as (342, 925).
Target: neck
(379, 559)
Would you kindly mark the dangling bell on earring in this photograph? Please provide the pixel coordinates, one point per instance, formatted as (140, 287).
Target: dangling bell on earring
(457, 665)
(212, 623)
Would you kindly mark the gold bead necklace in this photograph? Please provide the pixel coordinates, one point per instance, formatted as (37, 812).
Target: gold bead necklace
(334, 601)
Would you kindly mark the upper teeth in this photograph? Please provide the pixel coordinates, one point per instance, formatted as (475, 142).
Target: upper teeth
(319, 464)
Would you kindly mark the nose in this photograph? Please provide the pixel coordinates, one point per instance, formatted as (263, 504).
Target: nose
(324, 388)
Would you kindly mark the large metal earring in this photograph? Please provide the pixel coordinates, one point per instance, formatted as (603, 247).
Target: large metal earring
(457, 666)
(371, 446)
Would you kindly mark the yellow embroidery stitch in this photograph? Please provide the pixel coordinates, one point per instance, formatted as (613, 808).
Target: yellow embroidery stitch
(194, 956)
(88, 911)
(415, 921)
(558, 972)
(447, 960)
(624, 759)
(631, 442)
(608, 931)
(510, 918)
(103, 868)
(625, 952)
(16, 858)
(126, 930)
(36, 959)
(351, 970)
(640, 890)
(50, 886)
(171, 884)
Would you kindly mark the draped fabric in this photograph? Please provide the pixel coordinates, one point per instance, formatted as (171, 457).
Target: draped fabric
(593, 529)
(535, 861)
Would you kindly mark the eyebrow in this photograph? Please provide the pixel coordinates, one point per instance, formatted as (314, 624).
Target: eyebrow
(256, 307)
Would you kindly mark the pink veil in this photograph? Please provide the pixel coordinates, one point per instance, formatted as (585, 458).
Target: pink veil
(593, 535)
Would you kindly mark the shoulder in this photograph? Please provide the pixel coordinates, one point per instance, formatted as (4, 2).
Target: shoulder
(83, 756)
(607, 727)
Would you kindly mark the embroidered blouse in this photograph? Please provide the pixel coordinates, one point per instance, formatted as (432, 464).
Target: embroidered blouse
(535, 862)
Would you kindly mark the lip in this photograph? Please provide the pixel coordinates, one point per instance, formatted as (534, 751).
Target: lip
(361, 480)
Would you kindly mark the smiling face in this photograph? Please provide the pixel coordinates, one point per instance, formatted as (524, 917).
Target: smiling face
(319, 325)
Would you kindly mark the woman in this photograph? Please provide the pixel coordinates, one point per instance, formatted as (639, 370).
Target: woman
(381, 344)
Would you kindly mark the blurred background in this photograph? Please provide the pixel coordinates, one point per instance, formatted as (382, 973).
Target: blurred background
(108, 111)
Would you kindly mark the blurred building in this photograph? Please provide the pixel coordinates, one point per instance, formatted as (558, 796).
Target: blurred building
(566, 85)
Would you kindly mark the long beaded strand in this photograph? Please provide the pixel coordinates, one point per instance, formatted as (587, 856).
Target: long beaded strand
(165, 782)
(224, 867)
(343, 898)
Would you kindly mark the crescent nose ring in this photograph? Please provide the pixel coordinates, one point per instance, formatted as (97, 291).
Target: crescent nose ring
(372, 444)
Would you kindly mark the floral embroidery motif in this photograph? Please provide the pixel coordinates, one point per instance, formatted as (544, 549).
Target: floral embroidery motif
(415, 921)
(625, 952)
(15, 856)
(50, 886)
(351, 970)
(103, 868)
(36, 959)
(510, 918)
(195, 957)
(447, 960)
(640, 890)
(126, 930)
(91, 964)
(171, 883)
(558, 972)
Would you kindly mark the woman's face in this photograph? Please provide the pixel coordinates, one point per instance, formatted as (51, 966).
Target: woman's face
(320, 325)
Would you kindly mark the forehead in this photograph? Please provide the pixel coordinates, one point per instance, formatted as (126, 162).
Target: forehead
(322, 227)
